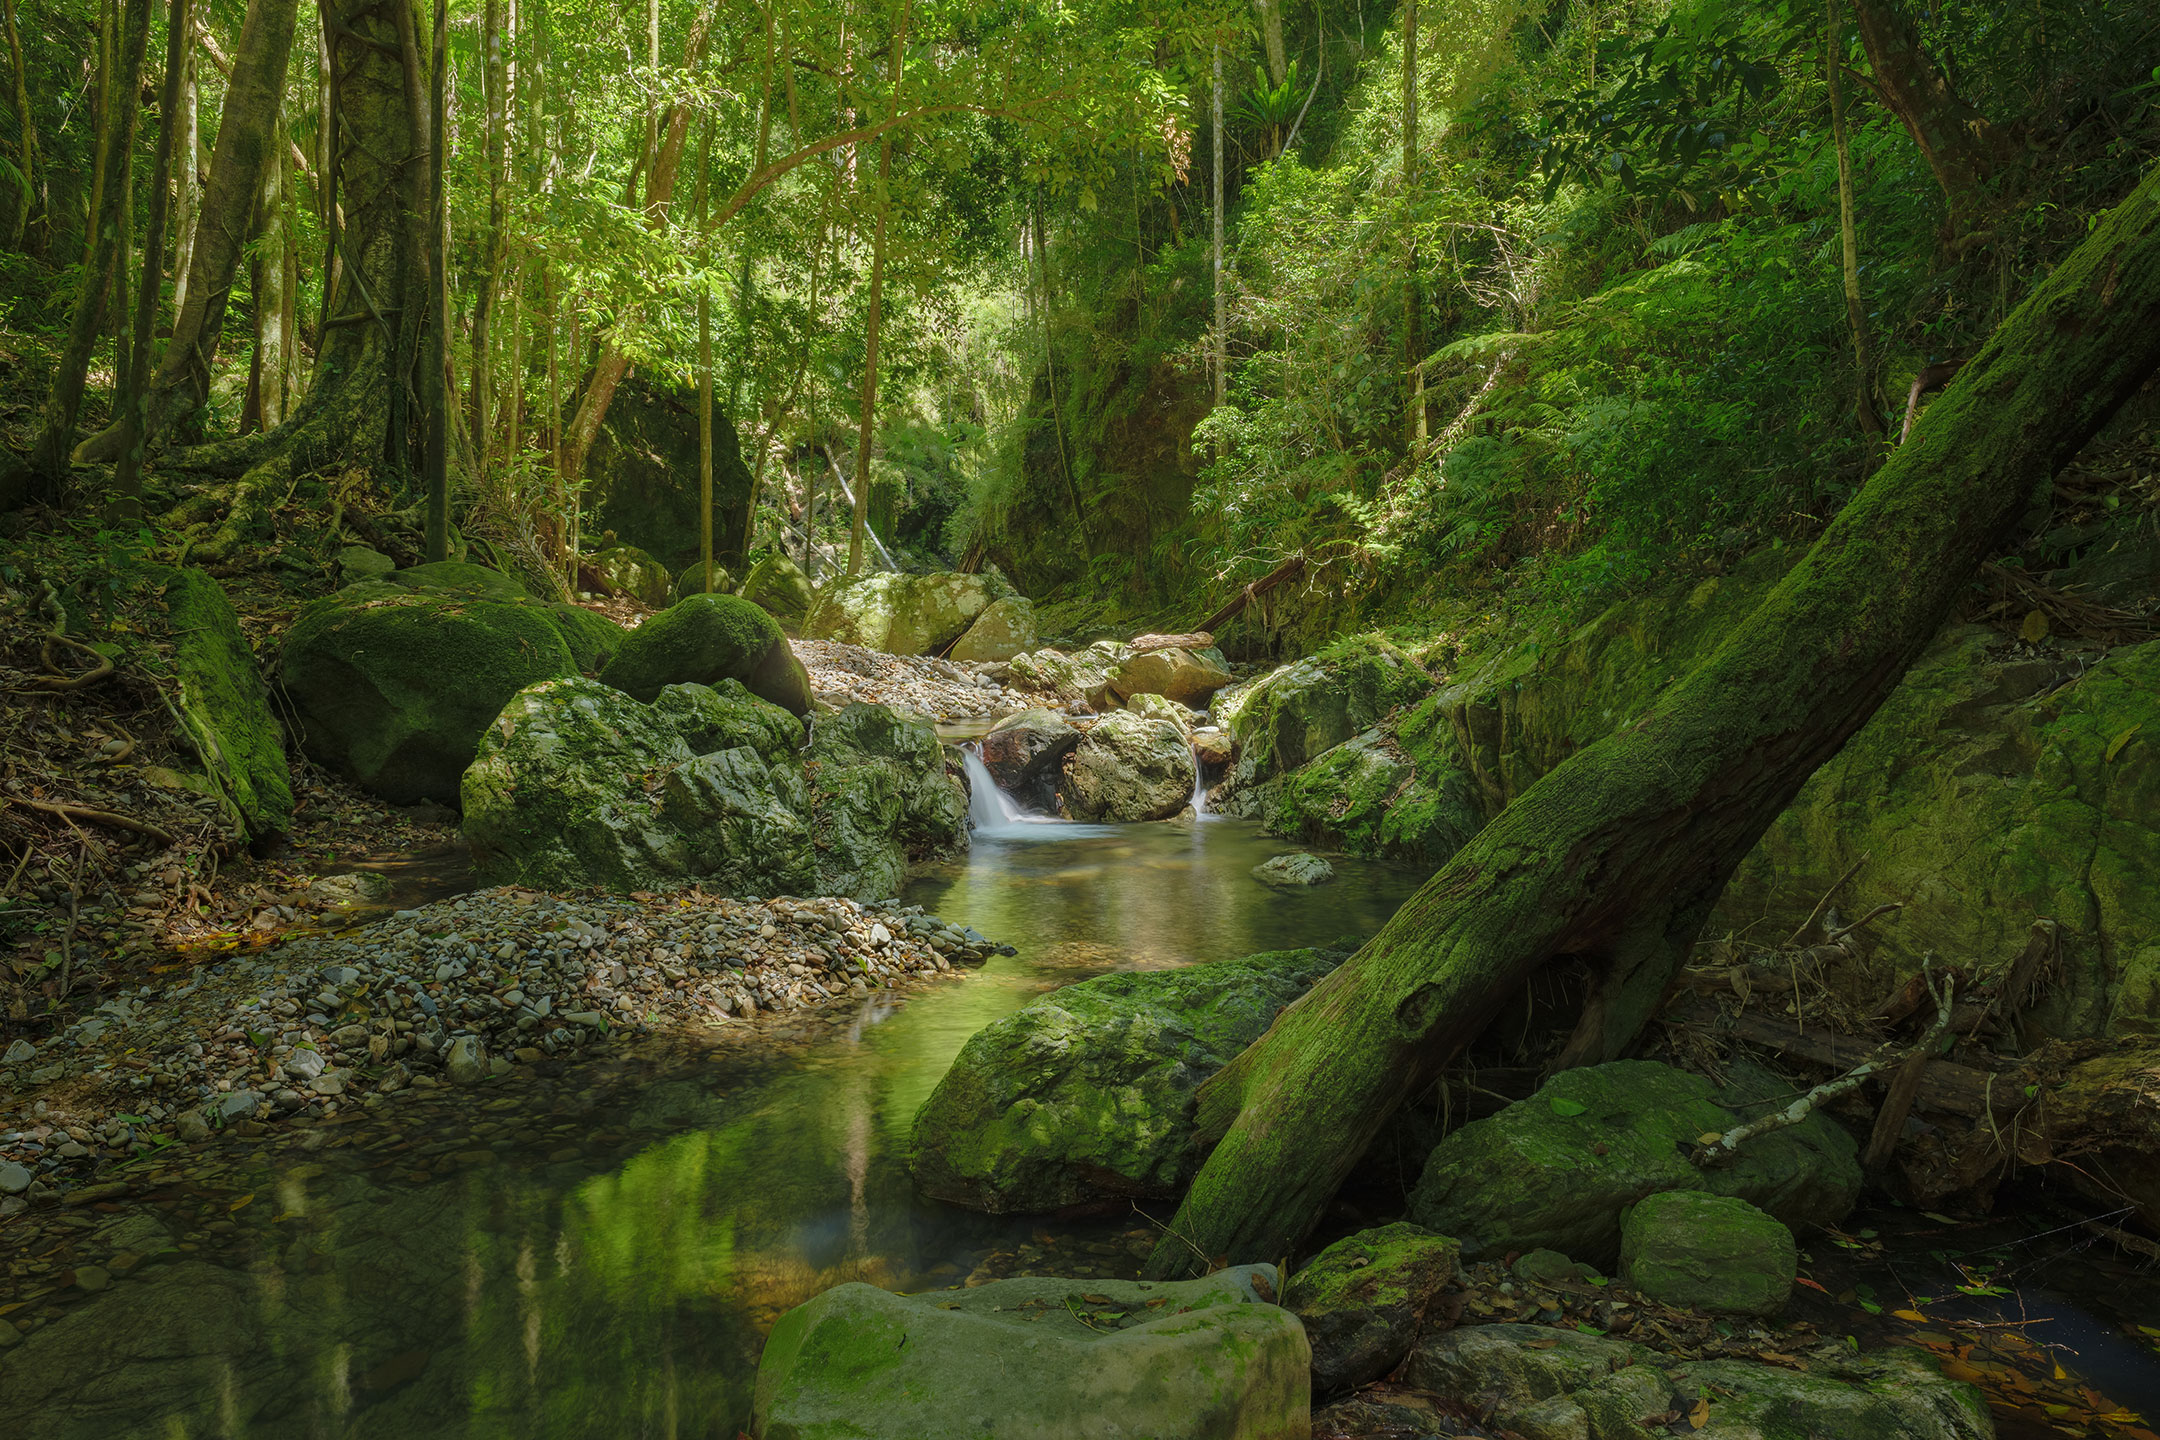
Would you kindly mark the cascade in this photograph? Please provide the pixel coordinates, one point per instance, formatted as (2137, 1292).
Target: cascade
(990, 810)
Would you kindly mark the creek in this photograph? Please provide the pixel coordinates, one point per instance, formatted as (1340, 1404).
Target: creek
(600, 1253)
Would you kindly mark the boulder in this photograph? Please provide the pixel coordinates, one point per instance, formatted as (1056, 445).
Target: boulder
(1088, 1092)
(1177, 674)
(1557, 1170)
(882, 799)
(692, 581)
(778, 586)
(592, 638)
(1156, 707)
(1028, 1358)
(901, 614)
(627, 570)
(642, 475)
(1364, 1299)
(1886, 1395)
(1005, 629)
(224, 701)
(707, 639)
(393, 686)
(1295, 713)
(359, 562)
(1078, 679)
(1025, 753)
(1707, 1252)
(459, 577)
(1127, 768)
(1298, 869)
(1399, 791)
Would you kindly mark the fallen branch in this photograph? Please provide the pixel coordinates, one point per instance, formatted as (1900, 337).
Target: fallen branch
(1198, 640)
(1290, 569)
(60, 679)
(1905, 1085)
(95, 817)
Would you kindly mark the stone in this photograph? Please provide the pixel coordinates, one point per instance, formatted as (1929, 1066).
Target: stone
(305, 1064)
(1364, 1298)
(1087, 1093)
(359, 562)
(1012, 1359)
(1511, 1367)
(14, 1179)
(627, 570)
(1293, 714)
(642, 475)
(692, 581)
(1400, 791)
(1127, 768)
(465, 1062)
(901, 614)
(1025, 754)
(20, 1052)
(1707, 1252)
(189, 1126)
(225, 701)
(1549, 1268)
(238, 1105)
(1596, 1140)
(706, 639)
(392, 687)
(1297, 869)
(1885, 1395)
(1177, 674)
(359, 887)
(592, 638)
(882, 798)
(1156, 707)
(1074, 679)
(92, 1277)
(777, 585)
(1005, 628)
(459, 577)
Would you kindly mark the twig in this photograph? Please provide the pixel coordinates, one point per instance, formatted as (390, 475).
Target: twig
(1822, 905)
(98, 817)
(1905, 1086)
(60, 679)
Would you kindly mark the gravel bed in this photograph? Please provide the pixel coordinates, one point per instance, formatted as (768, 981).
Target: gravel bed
(925, 684)
(448, 995)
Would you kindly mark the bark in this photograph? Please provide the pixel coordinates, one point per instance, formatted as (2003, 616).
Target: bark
(496, 76)
(268, 286)
(1617, 855)
(1220, 347)
(435, 386)
(1413, 338)
(1955, 139)
(183, 174)
(704, 383)
(18, 229)
(173, 128)
(248, 140)
(877, 306)
(1271, 39)
(1855, 313)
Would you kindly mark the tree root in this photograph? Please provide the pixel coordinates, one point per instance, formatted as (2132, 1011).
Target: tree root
(95, 817)
(59, 679)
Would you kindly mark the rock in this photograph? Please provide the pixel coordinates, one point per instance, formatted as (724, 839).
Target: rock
(1004, 629)
(592, 638)
(1088, 1092)
(627, 570)
(1011, 1359)
(1555, 1171)
(1025, 753)
(1887, 1395)
(358, 562)
(777, 585)
(225, 701)
(465, 1062)
(13, 1178)
(1549, 1268)
(359, 887)
(1156, 707)
(707, 639)
(18, 1053)
(1364, 1298)
(1707, 1252)
(692, 581)
(1400, 791)
(1298, 869)
(1128, 769)
(1293, 714)
(1513, 1367)
(1073, 679)
(92, 1277)
(392, 687)
(305, 1064)
(459, 577)
(881, 797)
(238, 1105)
(1176, 674)
(189, 1126)
(642, 475)
(901, 614)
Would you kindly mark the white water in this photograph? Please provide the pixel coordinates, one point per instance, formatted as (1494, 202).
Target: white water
(990, 810)
(1199, 789)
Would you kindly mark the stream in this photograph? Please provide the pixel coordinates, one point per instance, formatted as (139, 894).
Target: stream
(600, 1254)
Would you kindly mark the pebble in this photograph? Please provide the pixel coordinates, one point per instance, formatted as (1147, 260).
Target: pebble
(924, 684)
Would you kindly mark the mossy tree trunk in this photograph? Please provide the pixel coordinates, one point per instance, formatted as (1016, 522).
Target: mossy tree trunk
(1617, 855)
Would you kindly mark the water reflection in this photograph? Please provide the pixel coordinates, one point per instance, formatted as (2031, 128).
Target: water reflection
(602, 1253)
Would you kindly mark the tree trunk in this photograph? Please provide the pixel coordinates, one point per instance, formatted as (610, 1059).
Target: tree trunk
(133, 384)
(1271, 39)
(1618, 854)
(495, 74)
(877, 303)
(183, 174)
(1221, 346)
(1413, 310)
(704, 381)
(18, 230)
(1855, 313)
(267, 261)
(435, 386)
(1954, 138)
(248, 139)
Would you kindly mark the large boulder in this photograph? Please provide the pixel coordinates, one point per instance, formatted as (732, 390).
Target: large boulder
(642, 475)
(707, 639)
(392, 686)
(1088, 1092)
(1081, 678)
(224, 702)
(592, 637)
(778, 586)
(1029, 1358)
(1025, 753)
(627, 570)
(577, 784)
(901, 614)
(1127, 768)
(1293, 714)
(1710, 1252)
(1398, 791)
(692, 581)
(1005, 629)
(1364, 1299)
(1557, 1170)
(459, 577)
(1186, 676)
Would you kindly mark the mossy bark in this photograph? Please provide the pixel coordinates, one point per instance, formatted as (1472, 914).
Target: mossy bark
(1617, 855)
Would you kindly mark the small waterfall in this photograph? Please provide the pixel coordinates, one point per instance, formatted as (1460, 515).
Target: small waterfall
(1199, 788)
(990, 809)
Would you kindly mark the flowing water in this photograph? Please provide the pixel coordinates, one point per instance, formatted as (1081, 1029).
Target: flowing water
(600, 1253)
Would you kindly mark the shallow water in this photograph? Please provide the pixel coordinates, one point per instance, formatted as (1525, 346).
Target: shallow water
(600, 1253)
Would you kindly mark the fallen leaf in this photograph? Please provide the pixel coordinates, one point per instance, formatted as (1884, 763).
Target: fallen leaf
(240, 1204)
(2035, 628)
(2115, 746)
(1700, 1415)
(1913, 1315)
(1811, 1284)
(1568, 1109)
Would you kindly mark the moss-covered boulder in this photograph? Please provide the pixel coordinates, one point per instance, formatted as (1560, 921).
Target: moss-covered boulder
(1364, 1299)
(777, 585)
(459, 577)
(1708, 1252)
(707, 639)
(692, 581)
(1295, 713)
(1028, 1358)
(883, 798)
(1186, 676)
(627, 570)
(1557, 1170)
(392, 686)
(1399, 791)
(1080, 678)
(1025, 753)
(592, 638)
(1128, 768)
(1004, 629)
(901, 614)
(224, 702)
(1088, 1092)
(642, 474)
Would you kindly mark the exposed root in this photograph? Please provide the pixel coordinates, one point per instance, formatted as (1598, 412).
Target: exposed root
(96, 817)
(59, 679)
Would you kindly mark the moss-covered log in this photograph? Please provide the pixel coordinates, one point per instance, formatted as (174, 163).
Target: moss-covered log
(1617, 855)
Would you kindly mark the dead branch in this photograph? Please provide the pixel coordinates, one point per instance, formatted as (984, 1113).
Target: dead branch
(1290, 569)
(1905, 1085)
(59, 679)
(1823, 904)
(95, 817)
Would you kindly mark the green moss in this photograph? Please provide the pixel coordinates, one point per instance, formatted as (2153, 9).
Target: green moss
(706, 639)
(692, 581)
(225, 700)
(1304, 709)
(459, 577)
(1363, 1299)
(882, 798)
(592, 638)
(1709, 1252)
(901, 614)
(777, 585)
(722, 716)
(628, 570)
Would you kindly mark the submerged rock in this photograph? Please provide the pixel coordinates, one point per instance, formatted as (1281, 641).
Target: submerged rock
(707, 639)
(1558, 1169)
(1005, 629)
(1364, 1299)
(224, 701)
(901, 614)
(1298, 869)
(1088, 1092)
(1709, 1252)
(1025, 753)
(1023, 1359)
(777, 585)
(1128, 768)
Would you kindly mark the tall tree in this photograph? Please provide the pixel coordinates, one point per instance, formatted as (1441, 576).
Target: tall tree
(495, 78)
(1221, 338)
(18, 227)
(1413, 298)
(183, 174)
(883, 204)
(1955, 139)
(1855, 313)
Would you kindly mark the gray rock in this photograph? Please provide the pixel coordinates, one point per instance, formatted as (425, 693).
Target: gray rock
(1024, 753)
(1709, 1252)
(13, 1178)
(189, 1126)
(305, 1064)
(1127, 768)
(1012, 1359)
(466, 1061)
(1364, 1299)
(239, 1104)
(18, 1053)
(1298, 869)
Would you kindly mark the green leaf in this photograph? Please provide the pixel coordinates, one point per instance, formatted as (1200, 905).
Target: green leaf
(2115, 746)
(1568, 1109)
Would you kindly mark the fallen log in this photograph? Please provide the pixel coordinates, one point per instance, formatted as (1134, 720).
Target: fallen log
(1198, 640)
(1290, 569)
